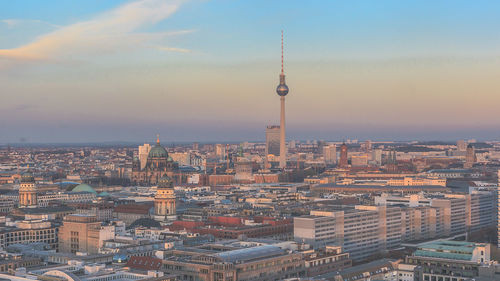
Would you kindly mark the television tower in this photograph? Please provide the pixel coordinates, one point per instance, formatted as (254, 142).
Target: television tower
(282, 91)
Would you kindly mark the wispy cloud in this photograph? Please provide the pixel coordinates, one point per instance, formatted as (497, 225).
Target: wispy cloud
(109, 32)
(11, 23)
(172, 49)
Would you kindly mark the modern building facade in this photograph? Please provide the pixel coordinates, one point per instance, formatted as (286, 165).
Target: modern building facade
(273, 140)
(330, 154)
(362, 232)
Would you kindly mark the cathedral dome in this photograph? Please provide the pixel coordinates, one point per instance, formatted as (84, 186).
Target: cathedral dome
(158, 151)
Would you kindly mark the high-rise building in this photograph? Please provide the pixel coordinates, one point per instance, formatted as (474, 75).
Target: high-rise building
(470, 157)
(143, 154)
(282, 91)
(220, 151)
(330, 154)
(165, 207)
(343, 162)
(28, 196)
(367, 146)
(273, 140)
(359, 160)
(461, 145)
(377, 156)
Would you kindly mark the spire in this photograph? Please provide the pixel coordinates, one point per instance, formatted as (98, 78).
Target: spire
(282, 52)
(158, 139)
(282, 88)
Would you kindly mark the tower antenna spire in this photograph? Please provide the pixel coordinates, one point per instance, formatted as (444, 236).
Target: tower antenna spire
(282, 51)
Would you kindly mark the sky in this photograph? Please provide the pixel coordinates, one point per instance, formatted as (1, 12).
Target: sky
(200, 70)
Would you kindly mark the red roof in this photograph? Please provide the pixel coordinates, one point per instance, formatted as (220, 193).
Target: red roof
(144, 263)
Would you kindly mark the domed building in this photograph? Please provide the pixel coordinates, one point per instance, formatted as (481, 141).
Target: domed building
(83, 188)
(28, 194)
(158, 164)
(165, 207)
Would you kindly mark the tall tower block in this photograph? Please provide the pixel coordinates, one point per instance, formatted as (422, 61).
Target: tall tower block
(282, 91)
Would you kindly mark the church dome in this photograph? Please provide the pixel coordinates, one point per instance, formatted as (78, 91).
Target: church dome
(158, 152)
(165, 182)
(83, 188)
(27, 177)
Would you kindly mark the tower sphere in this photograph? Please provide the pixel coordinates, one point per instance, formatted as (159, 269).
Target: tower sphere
(282, 90)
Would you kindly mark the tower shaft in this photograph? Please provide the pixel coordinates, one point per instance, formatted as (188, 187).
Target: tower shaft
(282, 134)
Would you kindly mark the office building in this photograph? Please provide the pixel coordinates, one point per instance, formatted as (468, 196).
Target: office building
(449, 260)
(143, 154)
(330, 154)
(461, 145)
(470, 157)
(273, 140)
(362, 232)
(83, 233)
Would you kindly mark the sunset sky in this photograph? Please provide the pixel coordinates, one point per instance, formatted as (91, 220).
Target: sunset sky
(93, 70)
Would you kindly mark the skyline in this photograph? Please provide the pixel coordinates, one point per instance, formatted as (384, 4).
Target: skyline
(206, 70)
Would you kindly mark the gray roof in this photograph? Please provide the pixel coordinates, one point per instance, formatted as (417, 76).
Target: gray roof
(248, 254)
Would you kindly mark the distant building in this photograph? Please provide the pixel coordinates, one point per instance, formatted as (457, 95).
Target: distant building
(83, 233)
(359, 160)
(28, 195)
(273, 140)
(244, 172)
(362, 232)
(470, 157)
(343, 162)
(461, 145)
(28, 232)
(220, 151)
(158, 164)
(129, 213)
(165, 208)
(330, 154)
(267, 262)
(143, 154)
(449, 260)
(324, 260)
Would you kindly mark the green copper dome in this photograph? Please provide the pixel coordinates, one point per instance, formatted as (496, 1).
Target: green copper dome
(165, 182)
(27, 177)
(83, 188)
(158, 151)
